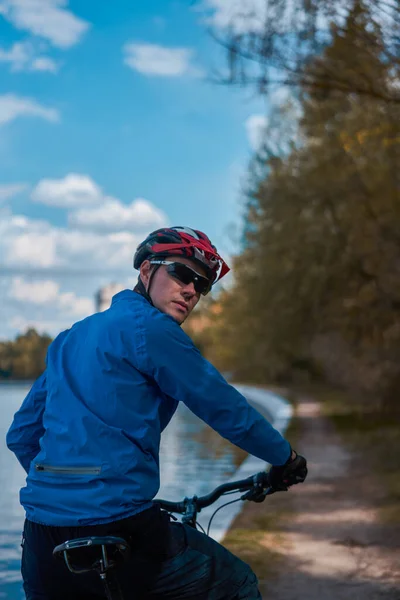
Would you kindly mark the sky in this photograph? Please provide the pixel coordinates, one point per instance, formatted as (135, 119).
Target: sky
(110, 127)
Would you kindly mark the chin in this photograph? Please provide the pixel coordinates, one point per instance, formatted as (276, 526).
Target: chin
(179, 318)
(176, 315)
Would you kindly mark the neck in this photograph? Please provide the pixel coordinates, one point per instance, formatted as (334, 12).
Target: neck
(140, 289)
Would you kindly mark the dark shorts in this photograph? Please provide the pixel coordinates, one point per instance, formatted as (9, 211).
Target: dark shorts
(168, 560)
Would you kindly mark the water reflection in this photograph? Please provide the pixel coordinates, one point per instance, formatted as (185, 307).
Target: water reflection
(12, 478)
(193, 458)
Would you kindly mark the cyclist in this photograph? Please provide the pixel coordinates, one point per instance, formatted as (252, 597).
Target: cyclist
(88, 435)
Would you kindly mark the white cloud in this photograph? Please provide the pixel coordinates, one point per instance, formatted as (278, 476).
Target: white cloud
(98, 251)
(48, 19)
(256, 127)
(39, 292)
(8, 190)
(243, 16)
(32, 249)
(47, 292)
(17, 56)
(75, 305)
(44, 63)
(21, 324)
(51, 303)
(12, 107)
(28, 245)
(23, 56)
(102, 213)
(71, 191)
(50, 275)
(113, 216)
(151, 59)
(50, 326)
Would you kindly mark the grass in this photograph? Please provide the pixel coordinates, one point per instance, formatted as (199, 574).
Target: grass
(255, 549)
(258, 542)
(255, 536)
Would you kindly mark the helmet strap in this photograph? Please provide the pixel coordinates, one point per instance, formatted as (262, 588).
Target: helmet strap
(140, 288)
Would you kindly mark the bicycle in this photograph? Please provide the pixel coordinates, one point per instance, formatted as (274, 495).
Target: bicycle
(104, 554)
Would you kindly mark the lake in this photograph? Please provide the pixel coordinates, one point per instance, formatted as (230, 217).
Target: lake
(194, 459)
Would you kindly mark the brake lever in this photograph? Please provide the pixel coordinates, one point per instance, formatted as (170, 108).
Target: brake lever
(257, 494)
(260, 489)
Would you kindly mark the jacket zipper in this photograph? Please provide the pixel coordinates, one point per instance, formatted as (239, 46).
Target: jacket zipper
(69, 470)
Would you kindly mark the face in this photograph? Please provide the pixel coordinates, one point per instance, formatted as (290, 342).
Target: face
(167, 293)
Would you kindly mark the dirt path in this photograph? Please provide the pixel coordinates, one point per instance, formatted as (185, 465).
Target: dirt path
(331, 543)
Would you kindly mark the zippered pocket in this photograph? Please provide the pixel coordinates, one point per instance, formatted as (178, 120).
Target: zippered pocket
(68, 470)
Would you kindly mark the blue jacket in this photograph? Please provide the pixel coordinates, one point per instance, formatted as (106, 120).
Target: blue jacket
(88, 432)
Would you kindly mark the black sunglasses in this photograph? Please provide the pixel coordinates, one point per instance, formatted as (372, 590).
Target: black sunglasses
(186, 275)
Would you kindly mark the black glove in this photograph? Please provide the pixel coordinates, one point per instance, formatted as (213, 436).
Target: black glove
(293, 471)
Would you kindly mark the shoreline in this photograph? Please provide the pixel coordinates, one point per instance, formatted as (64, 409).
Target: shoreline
(278, 411)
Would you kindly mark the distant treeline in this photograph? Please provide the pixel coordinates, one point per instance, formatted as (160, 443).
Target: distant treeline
(24, 358)
(317, 283)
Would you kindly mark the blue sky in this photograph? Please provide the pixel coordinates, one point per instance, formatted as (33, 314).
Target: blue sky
(109, 128)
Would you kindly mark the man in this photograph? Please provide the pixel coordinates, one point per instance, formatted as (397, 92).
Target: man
(88, 435)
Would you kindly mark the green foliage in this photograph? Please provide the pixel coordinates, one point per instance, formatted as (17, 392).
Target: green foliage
(24, 358)
(317, 286)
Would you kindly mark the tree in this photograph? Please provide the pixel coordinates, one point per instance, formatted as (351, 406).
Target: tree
(24, 358)
(322, 246)
(281, 45)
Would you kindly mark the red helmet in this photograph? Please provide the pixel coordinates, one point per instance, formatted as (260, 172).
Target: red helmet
(182, 241)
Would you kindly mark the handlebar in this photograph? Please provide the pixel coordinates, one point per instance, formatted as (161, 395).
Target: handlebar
(257, 485)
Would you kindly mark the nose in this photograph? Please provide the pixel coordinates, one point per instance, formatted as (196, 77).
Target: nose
(189, 290)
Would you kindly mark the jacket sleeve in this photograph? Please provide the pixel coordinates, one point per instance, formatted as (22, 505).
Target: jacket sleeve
(27, 427)
(184, 374)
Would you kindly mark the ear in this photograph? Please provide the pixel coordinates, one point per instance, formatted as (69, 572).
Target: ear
(145, 270)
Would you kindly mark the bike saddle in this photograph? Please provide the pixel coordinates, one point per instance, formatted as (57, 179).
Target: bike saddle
(96, 553)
